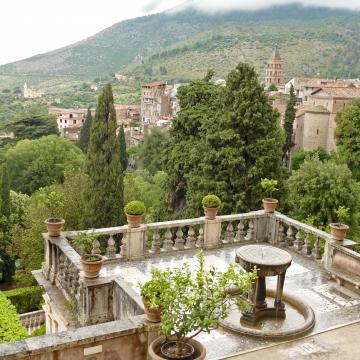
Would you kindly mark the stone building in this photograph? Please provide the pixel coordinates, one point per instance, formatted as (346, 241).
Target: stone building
(274, 69)
(315, 123)
(30, 93)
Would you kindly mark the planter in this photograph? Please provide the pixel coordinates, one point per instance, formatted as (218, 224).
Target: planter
(134, 221)
(54, 226)
(338, 231)
(270, 204)
(152, 315)
(91, 268)
(210, 213)
(154, 350)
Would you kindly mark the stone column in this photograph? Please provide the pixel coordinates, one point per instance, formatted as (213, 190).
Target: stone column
(47, 259)
(212, 233)
(135, 241)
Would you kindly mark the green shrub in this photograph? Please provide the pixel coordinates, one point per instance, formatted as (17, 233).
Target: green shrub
(211, 201)
(11, 328)
(40, 331)
(134, 208)
(83, 243)
(25, 299)
(269, 186)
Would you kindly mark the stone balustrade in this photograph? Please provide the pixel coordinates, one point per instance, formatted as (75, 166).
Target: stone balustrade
(33, 320)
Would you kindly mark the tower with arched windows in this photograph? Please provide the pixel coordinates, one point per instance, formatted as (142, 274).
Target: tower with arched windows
(274, 68)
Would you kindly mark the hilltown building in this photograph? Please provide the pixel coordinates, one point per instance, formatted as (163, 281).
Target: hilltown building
(30, 93)
(274, 69)
(315, 123)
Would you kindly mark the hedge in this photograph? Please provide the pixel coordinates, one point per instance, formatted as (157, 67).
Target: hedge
(11, 328)
(25, 299)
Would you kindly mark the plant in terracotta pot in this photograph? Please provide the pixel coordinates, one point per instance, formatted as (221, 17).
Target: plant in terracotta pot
(54, 223)
(269, 187)
(195, 302)
(211, 204)
(151, 293)
(339, 229)
(134, 211)
(90, 262)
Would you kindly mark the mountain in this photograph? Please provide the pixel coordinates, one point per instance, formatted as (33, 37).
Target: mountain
(183, 44)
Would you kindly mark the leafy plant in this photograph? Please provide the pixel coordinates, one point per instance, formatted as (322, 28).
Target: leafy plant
(211, 201)
(25, 299)
(134, 207)
(84, 243)
(197, 302)
(54, 203)
(269, 186)
(342, 214)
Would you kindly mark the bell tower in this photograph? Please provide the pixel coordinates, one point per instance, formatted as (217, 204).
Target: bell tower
(274, 68)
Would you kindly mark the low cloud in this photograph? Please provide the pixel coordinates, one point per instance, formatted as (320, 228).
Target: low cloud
(224, 5)
(151, 6)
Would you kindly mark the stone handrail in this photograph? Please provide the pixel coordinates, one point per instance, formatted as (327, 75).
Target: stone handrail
(32, 320)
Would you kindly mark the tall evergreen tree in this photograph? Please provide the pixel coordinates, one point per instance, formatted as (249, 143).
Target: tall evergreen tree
(288, 125)
(124, 157)
(104, 191)
(85, 132)
(4, 191)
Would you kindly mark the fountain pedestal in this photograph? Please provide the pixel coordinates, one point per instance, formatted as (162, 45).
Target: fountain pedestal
(269, 261)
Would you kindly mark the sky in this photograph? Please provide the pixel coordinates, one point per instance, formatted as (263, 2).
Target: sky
(30, 27)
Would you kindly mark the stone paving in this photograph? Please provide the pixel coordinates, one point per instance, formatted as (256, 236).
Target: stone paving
(333, 305)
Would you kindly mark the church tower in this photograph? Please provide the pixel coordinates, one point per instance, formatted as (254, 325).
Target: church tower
(274, 68)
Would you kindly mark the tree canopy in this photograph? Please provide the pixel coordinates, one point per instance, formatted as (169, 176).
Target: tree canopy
(288, 124)
(124, 157)
(85, 132)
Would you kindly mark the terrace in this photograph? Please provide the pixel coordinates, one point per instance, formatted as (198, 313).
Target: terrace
(103, 318)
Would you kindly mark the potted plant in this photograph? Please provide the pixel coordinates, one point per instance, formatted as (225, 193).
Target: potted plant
(211, 204)
(339, 229)
(151, 292)
(91, 263)
(194, 303)
(134, 211)
(269, 186)
(54, 223)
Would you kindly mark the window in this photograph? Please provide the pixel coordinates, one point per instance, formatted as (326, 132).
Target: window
(71, 115)
(65, 121)
(317, 132)
(61, 120)
(74, 122)
(82, 120)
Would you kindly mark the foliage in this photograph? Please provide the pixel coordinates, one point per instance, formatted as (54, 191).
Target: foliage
(85, 132)
(342, 214)
(288, 124)
(104, 187)
(11, 328)
(123, 153)
(42, 162)
(33, 125)
(348, 137)
(40, 331)
(25, 299)
(272, 87)
(299, 157)
(152, 290)
(196, 302)
(211, 201)
(318, 189)
(83, 243)
(134, 208)
(269, 186)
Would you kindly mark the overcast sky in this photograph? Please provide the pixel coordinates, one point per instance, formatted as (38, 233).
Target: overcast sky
(30, 27)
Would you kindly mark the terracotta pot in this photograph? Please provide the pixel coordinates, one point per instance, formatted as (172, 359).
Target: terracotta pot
(338, 231)
(152, 315)
(210, 213)
(54, 226)
(155, 354)
(91, 268)
(270, 204)
(134, 221)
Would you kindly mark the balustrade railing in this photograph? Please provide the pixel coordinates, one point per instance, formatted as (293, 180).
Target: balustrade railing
(32, 320)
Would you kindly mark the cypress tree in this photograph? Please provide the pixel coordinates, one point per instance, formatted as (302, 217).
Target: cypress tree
(288, 125)
(4, 192)
(104, 191)
(85, 132)
(123, 153)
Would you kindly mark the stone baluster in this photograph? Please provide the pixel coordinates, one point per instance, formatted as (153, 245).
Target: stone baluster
(61, 275)
(307, 245)
(156, 244)
(179, 240)
(250, 233)
(190, 239)
(66, 273)
(229, 234)
(240, 233)
(71, 279)
(168, 242)
(200, 238)
(53, 268)
(298, 243)
(316, 252)
(111, 248)
(290, 238)
(123, 247)
(96, 247)
(281, 235)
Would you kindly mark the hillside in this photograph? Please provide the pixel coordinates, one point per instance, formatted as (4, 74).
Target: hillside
(312, 41)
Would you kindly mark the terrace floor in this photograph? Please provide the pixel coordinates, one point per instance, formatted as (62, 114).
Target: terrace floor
(333, 305)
